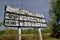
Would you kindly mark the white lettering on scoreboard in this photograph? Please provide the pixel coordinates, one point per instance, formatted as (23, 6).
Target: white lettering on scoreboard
(22, 18)
(11, 22)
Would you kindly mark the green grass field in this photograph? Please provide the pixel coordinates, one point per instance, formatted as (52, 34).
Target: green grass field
(35, 36)
(8, 34)
(26, 35)
(30, 37)
(46, 36)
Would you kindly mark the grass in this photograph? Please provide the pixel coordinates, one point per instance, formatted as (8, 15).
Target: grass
(8, 37)
(13, 35)
(30, 37)
(45, 34)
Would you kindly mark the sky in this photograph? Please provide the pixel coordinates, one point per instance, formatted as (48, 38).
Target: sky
(40, 6)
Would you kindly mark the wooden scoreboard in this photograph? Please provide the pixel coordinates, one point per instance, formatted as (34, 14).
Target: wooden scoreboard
(17, 17)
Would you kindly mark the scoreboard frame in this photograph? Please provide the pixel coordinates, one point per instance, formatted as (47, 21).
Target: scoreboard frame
(19, 21)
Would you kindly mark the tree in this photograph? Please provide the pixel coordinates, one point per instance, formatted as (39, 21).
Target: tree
(55, 18)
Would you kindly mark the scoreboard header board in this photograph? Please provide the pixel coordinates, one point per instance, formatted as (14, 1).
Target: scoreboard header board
(15, 17)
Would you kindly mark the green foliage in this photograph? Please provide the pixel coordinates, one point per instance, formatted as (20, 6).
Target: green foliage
(9, 34)
(30, 37)
(8, 31)
(46, 31)
(30, 31)
(1, 23)
(30, 34)
(55, 15)
(2, 31)
(9, 37)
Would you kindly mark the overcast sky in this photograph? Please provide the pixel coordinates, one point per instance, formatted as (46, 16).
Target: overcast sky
(40, 6)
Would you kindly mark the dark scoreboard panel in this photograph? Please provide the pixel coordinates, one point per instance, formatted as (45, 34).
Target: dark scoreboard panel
(23, 19)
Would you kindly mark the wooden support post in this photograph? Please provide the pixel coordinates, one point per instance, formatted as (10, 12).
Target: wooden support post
(19, 33)
(40, 34)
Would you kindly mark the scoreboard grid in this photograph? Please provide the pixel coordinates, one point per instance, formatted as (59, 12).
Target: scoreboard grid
(12, 19)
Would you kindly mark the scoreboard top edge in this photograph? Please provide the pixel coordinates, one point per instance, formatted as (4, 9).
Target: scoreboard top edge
(9, 9)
